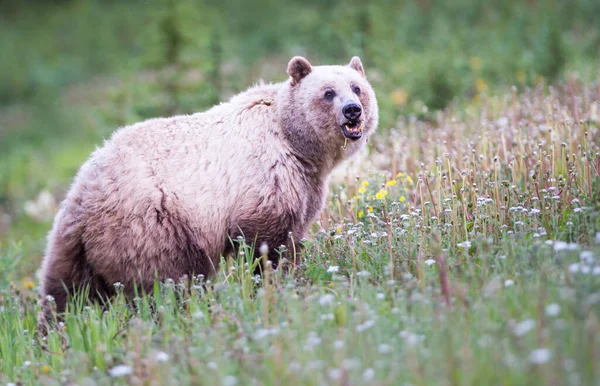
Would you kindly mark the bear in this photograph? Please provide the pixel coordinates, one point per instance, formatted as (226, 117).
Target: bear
(165, 197)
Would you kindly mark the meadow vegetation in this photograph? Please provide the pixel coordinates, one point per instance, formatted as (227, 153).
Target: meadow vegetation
(462, 248)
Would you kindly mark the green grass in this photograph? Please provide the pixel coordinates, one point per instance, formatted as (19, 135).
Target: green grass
(461, 251)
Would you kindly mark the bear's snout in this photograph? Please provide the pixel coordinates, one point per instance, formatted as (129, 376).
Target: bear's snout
(352, 111)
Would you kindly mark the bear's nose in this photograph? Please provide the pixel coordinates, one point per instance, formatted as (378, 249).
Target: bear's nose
(352, 111)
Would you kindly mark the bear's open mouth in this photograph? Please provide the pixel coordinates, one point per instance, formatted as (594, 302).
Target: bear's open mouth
(352, 129)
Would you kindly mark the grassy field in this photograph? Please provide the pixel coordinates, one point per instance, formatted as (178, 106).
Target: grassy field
(462, 250)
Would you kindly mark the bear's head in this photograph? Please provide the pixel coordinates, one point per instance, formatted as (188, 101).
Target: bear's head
(328, 112)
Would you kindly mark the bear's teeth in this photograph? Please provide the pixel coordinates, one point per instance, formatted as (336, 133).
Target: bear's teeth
(356, 129)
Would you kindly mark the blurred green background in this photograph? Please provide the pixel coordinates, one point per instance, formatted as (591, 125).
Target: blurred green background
(74, 70)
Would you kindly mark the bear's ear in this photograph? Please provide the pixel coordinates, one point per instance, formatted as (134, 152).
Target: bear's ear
(356, 65)
(298, 68)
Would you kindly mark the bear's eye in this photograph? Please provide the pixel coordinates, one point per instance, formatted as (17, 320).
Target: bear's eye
(356, 89)
(329, 95)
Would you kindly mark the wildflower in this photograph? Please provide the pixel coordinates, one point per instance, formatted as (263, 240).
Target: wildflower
(264, 249)
(552, 309)
(381, 194)
(563, 246)
(45, 369)
(339, 230)
(409, 180)
(524, 327)
(411, 338)
(361, 214)
(333, 269)
(475, 62)
(508, 283)
(390, 183)
(370, 210)
(481, 86)
(365, 326)
(402, 198)
(587, 257)
(464, 244)
(362, 190)
(230, 380)
(28, 284)
(429, 262)
(540, 356)
(335, 374)
(365, 183)
(400, 175)
(399, 97)
(326, 299)
(120, 371)
(161, 356)
(368, 375)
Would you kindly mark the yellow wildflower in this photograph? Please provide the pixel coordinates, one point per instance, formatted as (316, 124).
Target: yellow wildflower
(399, 97)
(45, 369)
(402, 199)
(339, 230)
(370, 209)
(365, 183)
(330, 285)
(381, 194)
(475, 63)
(400, 175)
(361, 190)
(28, 284)
(390, 183)
(481, 86)
(361, 214)
(410, 181)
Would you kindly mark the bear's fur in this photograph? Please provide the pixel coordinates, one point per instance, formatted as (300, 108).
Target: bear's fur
(166, 196)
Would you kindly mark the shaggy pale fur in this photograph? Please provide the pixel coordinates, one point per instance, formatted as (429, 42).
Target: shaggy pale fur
(163, 197)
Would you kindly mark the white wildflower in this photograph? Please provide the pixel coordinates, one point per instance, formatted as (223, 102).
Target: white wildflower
(508, 283)
(230, 380)
(120, 371)
(464, 244)
(264, 250)
(552, 309)
(326, 299)
(333, 269)
(524, 327)
(365, 326)
(429, 262)
(411, 338)
(161, 356)
(335, 374)
(587, 257)
(540, 356)
(368, 375)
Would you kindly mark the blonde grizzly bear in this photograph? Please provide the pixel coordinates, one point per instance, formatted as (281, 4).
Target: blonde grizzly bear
(164, 198)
